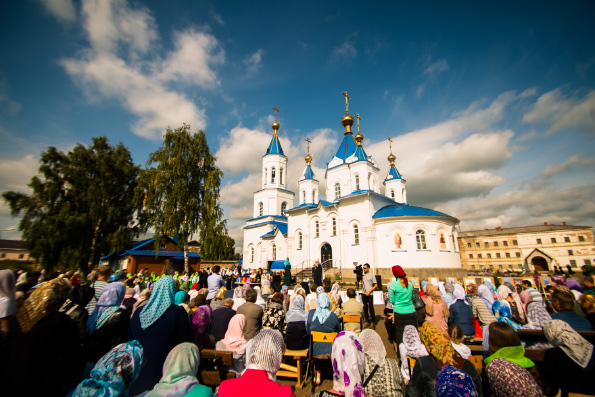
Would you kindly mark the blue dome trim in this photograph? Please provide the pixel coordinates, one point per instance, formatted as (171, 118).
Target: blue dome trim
(275, 146)
(347, 148)
(393, 173)
(308, 174)
(405, 210)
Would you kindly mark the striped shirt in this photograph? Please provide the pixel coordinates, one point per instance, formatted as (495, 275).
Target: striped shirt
(484, 315)
(535, 295)
(98, 286)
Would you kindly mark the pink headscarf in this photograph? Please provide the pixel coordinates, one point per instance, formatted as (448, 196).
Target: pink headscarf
(234, 337)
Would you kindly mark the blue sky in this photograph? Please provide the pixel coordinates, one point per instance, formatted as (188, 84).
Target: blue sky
(491, 106)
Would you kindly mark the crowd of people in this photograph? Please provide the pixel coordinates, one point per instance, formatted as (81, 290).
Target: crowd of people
(121, 334)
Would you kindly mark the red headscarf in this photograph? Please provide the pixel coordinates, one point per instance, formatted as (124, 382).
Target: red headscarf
(398, 272)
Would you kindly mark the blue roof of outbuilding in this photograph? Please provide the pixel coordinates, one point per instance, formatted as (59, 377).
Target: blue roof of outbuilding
(405, 210)
(393, 173)
(275, 146)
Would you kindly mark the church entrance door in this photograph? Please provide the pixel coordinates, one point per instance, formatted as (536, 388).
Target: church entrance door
(540, 264)
(326, 256)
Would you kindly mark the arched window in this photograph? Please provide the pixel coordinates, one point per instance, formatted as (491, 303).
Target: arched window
(274, 252)
(252, 255)
(281, 176)
(420, 236)
(337, 191)
(260, 209)
(273, 175)
(303, 197)
(392, 193)
(314, 196)
(334, 226)
(265, 176)
(355, 234)
(299, 240)
(356, 181)
(283, 207)
(316, 229)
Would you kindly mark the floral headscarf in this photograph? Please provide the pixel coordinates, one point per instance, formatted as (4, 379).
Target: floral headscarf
(296, 310)
(335, 288)
(348, 364)
(47, 298)
(537, 315)
(319, 291)
(560, 334)
(502, 313)
(234, 337)
(179, 372)
(471, 289)
(503, 293)
(114, 372)
(437, 343)
(161, 299)
(508, 379)
(238, 292)
(109, 302)
(322, 311)
(373, 346)
(411, 341)
(453, 382)
(285, 290)
(201, 318)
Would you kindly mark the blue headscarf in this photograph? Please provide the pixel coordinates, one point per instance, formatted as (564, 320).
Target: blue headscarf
(453, 382)
(161, 299)
(180, 297)
(109, 302)
(322, 312)
(114, 372)
(502, 313)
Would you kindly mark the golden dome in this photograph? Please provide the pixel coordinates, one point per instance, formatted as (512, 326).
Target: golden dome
(392, 158)
(359, 138)
(347, 120)
(308, 159)
(276, 126)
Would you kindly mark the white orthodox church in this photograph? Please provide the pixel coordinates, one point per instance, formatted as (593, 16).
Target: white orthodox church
(349, 218)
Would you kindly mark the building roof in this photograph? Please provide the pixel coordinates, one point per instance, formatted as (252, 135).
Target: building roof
(274, 223)
(305, 205)
(347, 148)
(281, 228)
(521, 230)
(308, 174)
(393, 173)
(275, 146)
(360, 153)
(356, 193)
(12, 244)
(267, 216)
(398, 209)
(162, 253)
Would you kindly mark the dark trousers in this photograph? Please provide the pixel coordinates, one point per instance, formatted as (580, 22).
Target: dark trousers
(368, 302)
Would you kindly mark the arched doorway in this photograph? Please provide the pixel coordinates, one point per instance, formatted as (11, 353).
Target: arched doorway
(326, 255)
(539, 263)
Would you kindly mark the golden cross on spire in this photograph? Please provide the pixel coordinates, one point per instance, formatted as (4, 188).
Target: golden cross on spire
(346, 102)
(358, 119)
(309, 141)
(276, 110)
(390, 142)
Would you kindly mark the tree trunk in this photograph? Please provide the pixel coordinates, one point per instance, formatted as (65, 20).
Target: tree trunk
(186, 258)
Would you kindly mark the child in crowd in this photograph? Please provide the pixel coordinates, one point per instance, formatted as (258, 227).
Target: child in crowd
(455, 332)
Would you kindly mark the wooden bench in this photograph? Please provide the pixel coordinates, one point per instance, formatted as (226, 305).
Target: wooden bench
(213, 367)
(289, 371)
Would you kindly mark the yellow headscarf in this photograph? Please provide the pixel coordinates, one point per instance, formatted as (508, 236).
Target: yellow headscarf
(46, 298)
(437, 343)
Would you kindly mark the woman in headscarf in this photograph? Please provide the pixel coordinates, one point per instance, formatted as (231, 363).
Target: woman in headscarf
(114, 372)
(129, 300)
(245, 288)
(274, 315)
(386, 378)
(441, 353)
(575, 288)
(336, 299)
(436, 309)
(201, 318)
(259, 300)
(508, 379)
(107, 325)
(266, 289)
(503, 314)
(263, 360)
(143, 299)
(482, 306)
(287, 272)
(286, 297)
(349, 365)
(217, 302)
(159, 326)
(512, 299)
(179, 374)
(296, 335)
(401, 296)
(44, 342)
(238, 297)
(570, 366)
(461, 314)
(74, 307)
(235, 342)
(453, 382)
(447, 296)
(181, 299)
(323, 320)
(411, 347)
(8, 306)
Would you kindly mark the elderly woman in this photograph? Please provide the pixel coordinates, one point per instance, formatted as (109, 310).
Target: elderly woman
(238, 297)
(411, 347)
(296, 335)
(336, 299)
(322, 319)
(179, 374)
(503, 314)
(217, 302)
(508, 379)
(263, 360)
(259, 299)
(482, 306)
(274, 315)
(386, 379)
(349, 366)
(453, 382)
(114, 372)
(436, 309)
(462, 314)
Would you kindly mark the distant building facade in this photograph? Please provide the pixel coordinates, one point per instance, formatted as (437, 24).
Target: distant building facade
(14, 250)
(533, 248)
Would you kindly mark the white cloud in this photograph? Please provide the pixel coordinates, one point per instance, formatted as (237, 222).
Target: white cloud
(60, 9)
(16, 174)
(563, 113)
(237, 151)
(571, 163)
(430, 72)
(117, 66)
(216, 17)
(344, 52)
(253, 63)
(436, 67)
(7, 105)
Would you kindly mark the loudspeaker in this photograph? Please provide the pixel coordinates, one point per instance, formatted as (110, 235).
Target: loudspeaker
(379, 282)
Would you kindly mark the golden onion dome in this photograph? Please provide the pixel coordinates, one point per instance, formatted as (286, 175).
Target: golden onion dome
(276, 126)
(347, 120)
(308, 159)
(359, 138)
(392, 158)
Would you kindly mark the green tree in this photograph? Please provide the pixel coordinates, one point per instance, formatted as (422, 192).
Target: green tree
(82, 206)
(180, 189)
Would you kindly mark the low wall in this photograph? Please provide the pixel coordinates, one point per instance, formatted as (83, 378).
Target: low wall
(387, 274)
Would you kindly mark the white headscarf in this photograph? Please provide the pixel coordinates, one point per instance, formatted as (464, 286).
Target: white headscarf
(373, 346)
(265, 352)
(7, 294)
(411, 341)
(561, 335)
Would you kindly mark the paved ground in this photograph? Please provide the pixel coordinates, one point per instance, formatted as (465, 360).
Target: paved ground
(328, 383)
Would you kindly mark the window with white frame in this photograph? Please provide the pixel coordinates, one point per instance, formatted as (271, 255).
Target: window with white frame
(283, 207)
(274, 252)
(355, 234)
(251, 254)
(303, 197)
(260, 209)
(337, 191)
(273, 175)
(334, 226)
(300, 240)
(356, 181)
(281, 176)
(420, 237)
(316, 229)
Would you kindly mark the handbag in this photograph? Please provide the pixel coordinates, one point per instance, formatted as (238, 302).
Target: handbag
(418, 302)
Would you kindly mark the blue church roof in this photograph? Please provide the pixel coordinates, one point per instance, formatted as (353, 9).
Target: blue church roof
(393, 173)
(281, 227)
(347, 148)
(360, 153)
(275, 146)
(308, 174)
(405, 210)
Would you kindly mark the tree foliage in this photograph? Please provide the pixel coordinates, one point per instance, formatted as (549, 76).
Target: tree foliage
(180, 191)
(82, 205)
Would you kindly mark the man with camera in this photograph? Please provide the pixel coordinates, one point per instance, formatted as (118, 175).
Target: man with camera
(369, 284)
